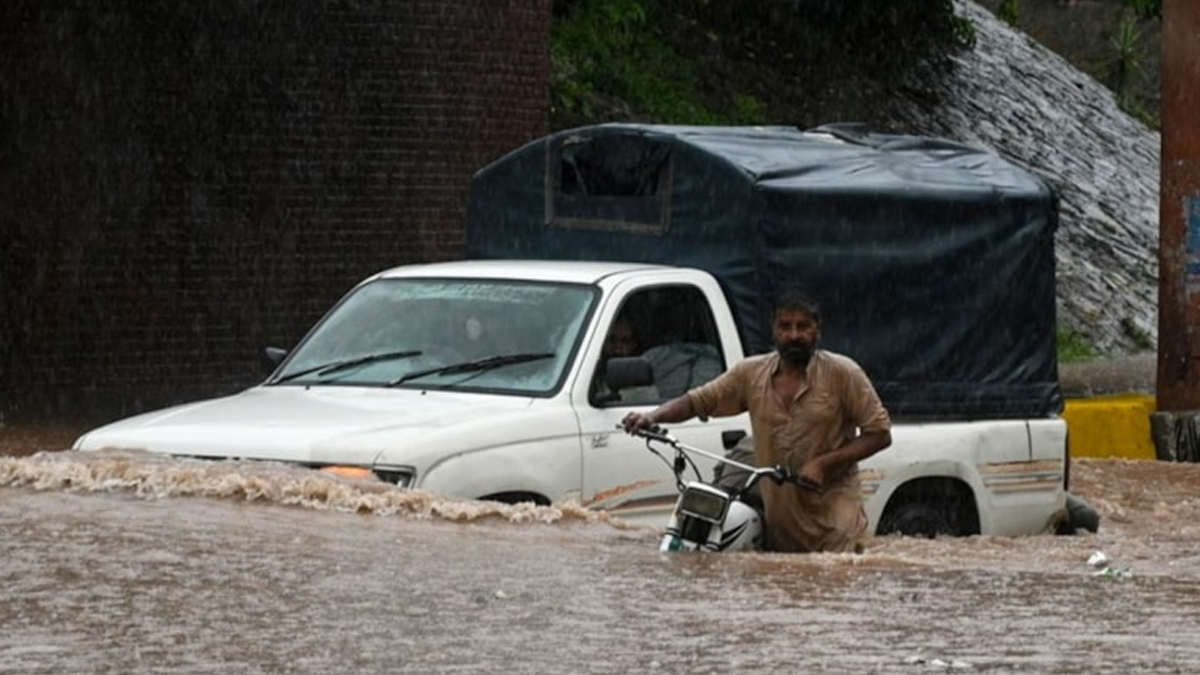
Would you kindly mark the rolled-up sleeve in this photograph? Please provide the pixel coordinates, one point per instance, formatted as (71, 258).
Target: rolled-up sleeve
(866, 409)
(723, 396)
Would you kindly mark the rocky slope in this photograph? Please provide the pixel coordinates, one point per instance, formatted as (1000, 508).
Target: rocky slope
(1023, 101)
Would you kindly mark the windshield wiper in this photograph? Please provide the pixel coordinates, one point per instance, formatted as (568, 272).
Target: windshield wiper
(478, 365)
(327, 368)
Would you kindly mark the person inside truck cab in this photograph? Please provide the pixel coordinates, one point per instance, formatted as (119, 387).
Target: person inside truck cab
(621, 341)
(812, 411)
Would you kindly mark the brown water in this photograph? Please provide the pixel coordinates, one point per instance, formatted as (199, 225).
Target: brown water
(128, 563)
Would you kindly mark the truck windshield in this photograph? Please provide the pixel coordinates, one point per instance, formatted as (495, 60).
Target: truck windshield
(405, 332)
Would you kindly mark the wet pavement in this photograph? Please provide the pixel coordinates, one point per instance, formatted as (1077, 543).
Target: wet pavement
(1112, 375)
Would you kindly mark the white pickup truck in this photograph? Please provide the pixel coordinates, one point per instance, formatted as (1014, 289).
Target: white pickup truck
(482, 379)
(934, 263)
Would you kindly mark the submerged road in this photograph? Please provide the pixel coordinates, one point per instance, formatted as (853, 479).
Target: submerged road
(127, 563)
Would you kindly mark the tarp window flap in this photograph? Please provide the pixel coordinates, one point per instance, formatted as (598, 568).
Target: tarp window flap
(608, 183)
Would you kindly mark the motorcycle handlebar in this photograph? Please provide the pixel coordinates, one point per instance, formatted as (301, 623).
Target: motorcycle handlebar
(777, 474)
(781, 474)
(654, 432)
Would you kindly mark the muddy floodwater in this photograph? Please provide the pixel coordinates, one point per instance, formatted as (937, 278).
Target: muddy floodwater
(129, 563)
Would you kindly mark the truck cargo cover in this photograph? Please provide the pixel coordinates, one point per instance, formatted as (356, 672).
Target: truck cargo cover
(933, 260)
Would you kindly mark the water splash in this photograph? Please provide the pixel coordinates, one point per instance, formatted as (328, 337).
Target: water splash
(150, 476)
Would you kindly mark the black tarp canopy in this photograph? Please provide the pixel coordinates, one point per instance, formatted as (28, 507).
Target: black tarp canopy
(933, 260)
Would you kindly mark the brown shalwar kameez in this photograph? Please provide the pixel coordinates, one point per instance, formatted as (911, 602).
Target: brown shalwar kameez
(837, 401)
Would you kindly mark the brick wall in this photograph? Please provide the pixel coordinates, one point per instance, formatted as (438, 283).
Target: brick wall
(184, 183)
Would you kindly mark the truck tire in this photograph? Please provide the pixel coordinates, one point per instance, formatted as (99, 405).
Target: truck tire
(1080, 516)
(919, 519)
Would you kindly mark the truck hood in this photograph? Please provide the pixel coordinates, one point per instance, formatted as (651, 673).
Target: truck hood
(309, 425)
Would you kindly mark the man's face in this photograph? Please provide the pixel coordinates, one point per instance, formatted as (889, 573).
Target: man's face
(796, 334)
(620, 341)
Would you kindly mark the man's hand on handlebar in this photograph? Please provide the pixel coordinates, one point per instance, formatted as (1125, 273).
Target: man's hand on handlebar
(635, 421)
(677, 409)
(786, 475)
(812, 472)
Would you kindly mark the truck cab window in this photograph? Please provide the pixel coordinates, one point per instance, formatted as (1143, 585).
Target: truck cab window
(672, 327)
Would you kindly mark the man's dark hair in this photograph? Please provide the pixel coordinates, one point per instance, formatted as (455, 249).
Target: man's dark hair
(795, 299)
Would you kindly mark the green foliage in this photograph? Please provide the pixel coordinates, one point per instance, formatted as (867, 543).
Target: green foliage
(1145, 9)
(1125, 71)
(1009, 12)
(748, 109)
(1073, 347)
(736, 62)
(606, 53)
(1126, 66)
(1137, 108)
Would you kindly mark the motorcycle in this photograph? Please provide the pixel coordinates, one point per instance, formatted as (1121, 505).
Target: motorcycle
(708, 516)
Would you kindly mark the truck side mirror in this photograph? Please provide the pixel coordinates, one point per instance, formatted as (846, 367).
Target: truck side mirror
(272, 357)
(628, 371)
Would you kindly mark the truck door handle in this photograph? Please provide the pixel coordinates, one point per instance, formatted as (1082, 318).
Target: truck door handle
(731, 438)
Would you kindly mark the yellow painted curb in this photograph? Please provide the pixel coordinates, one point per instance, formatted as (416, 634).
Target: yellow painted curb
(1111, 426)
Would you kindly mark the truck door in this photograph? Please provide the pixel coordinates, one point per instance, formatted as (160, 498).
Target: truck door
(672, 326)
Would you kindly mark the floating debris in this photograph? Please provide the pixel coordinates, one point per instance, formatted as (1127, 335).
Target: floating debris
(1105, 568)
(942, 664)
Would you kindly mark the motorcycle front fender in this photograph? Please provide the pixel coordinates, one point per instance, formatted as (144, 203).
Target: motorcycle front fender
(742, 530)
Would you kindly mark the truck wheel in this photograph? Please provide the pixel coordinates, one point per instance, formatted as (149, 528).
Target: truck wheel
(918, 519)
(1080, 516)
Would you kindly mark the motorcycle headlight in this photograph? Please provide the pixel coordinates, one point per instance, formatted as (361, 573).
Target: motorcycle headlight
(704, 502)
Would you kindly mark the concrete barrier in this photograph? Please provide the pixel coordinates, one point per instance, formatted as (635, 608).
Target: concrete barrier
(1116, 426)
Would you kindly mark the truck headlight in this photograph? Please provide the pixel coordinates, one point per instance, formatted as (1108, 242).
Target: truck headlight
(400, 476)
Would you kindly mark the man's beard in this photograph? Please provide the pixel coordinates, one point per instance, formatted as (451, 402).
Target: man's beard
(795, 353)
